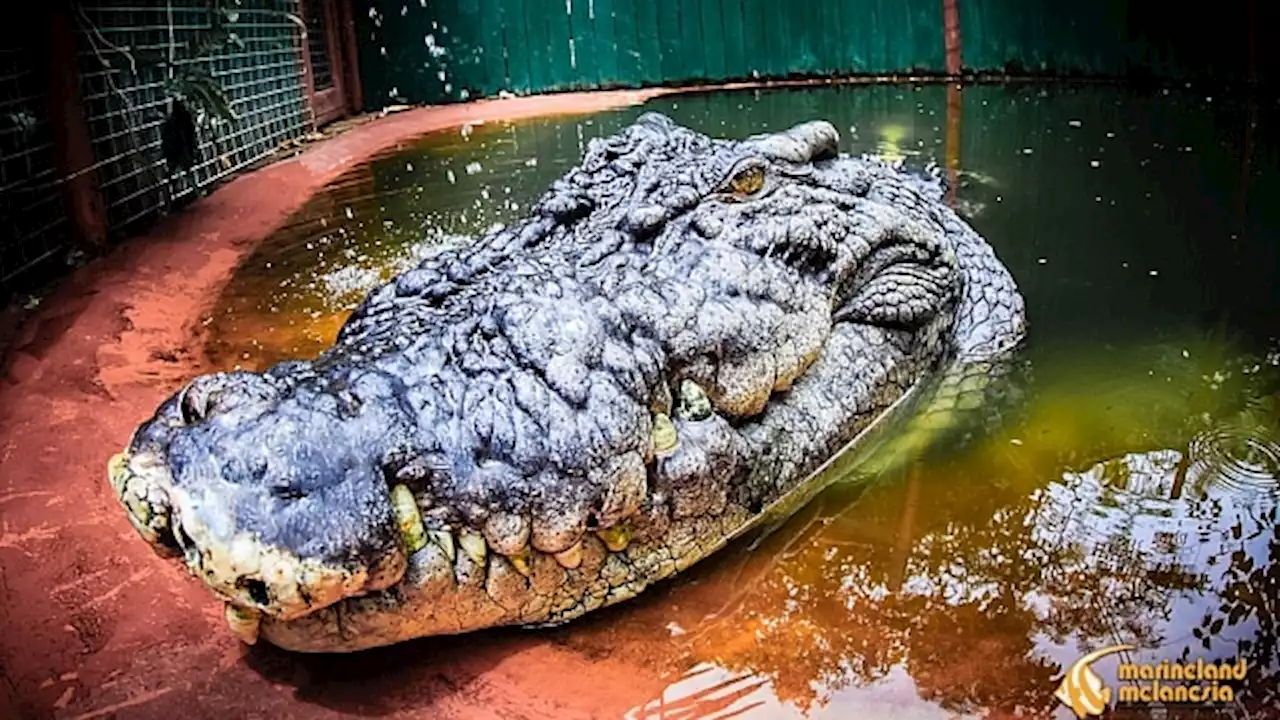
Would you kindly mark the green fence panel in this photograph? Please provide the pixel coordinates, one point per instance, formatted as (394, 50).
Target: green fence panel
(777, 40)
(584, 44)
(693, 65)
(713, 39)
(493, 19)
(648, 41)
(806, 32)
(755, 51)
(1102, 37)
(449, 50)
(560, 37)
(668, 30)
(464, 23)
(628, 58)
(519, 56)
(735, 59)
(537, 44)
(607, 41)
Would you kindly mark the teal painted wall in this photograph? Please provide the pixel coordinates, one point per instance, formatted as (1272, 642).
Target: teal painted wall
(438, 51)
(1107, 37)
(450, 50)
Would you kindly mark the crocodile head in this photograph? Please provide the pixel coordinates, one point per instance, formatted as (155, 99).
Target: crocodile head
(572, 407)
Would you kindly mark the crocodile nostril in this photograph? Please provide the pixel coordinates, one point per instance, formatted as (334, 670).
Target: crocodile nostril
(195, 402)
(257, 590)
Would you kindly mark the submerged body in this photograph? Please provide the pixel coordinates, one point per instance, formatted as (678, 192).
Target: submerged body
(571, 408)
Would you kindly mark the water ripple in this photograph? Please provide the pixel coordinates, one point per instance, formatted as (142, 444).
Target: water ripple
(1236, 457)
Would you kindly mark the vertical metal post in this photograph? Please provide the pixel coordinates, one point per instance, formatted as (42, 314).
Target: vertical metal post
(955, 110)
(309, 80)
(951, 36)
(353, 88)
(72, 146)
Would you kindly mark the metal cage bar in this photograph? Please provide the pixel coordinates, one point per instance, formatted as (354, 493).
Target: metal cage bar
(123, 52)
(33, 219)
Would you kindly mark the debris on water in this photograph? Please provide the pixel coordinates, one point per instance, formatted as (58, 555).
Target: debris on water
(1042, 261)
(350, 215)
(1026, 151)
(1015, 441)
(675, 629)
(1095, 163)
(473, 168)
(1154, 273)
(453, 179)
(1074, 123)
(531, 162)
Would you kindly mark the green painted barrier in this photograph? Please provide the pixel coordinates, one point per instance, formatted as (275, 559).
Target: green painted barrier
(438, 51)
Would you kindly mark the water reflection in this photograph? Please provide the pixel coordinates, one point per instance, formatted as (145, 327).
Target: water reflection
(1123, 490)
(967, 579)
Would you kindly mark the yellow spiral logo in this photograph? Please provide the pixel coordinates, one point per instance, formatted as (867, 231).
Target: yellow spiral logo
(1081, 688)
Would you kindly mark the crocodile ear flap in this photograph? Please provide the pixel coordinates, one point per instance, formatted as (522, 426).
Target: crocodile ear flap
(804, 143)
(656, 122)
(904, 296)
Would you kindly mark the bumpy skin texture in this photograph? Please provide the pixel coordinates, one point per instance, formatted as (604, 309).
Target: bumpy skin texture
(582, 403)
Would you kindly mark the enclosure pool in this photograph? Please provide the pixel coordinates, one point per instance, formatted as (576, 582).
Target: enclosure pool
(1127, 496)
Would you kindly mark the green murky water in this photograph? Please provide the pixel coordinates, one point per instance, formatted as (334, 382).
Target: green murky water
(1128, 497)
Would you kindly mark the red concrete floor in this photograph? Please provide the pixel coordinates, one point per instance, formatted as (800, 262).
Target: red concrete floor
(95, 625)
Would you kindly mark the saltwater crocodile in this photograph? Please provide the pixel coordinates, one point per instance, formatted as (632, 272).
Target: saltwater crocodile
(551, 418)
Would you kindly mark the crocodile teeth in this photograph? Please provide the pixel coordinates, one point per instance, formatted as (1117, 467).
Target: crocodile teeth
(665, 439)
(570, 559)
(408, 518)
(474, 546)
(616, 538)
(694, 403)
(118, 471)
(507, 533)
(244, 622)
(444, 539)
(522, 562)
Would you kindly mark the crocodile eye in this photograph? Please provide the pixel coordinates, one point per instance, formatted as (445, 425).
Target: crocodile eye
(748, 181)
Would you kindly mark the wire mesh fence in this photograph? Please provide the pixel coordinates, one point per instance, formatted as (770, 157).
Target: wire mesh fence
(33, 220)
(129, 52)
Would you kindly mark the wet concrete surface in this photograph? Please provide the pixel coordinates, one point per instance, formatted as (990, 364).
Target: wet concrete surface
(95, 625)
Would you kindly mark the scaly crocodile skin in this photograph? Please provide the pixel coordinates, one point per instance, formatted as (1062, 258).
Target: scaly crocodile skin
(568, 409)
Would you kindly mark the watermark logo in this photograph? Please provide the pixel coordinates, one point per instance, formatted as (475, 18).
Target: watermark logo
(1082, 690)
(1199, 682)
